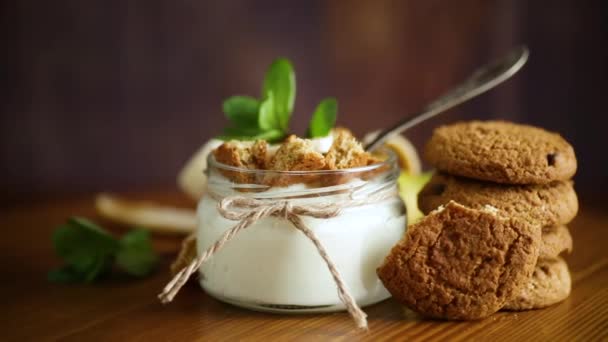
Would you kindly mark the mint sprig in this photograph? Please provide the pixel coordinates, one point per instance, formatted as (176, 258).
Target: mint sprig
(268, 118)
(89, 252)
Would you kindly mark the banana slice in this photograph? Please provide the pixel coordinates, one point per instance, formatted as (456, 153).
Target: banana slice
(408, 156)
(191, 179)
(409, 187)
(154, 217)
(405, 150)
(411, 180)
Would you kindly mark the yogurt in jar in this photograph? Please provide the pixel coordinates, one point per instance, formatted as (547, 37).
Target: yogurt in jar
(272, 266)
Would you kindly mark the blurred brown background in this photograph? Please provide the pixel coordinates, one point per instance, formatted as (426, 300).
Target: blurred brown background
(116, 95)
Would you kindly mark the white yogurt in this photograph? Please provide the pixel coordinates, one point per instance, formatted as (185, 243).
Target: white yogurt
(272, 263)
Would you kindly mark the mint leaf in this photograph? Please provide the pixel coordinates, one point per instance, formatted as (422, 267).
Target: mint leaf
(70, 274)
(88, 252)
(324, 118)
(136, 255)
(266, 118)
(281, 81)
(84, 247)
(242, 110)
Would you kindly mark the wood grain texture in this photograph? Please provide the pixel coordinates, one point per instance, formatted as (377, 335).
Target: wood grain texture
(121, 309)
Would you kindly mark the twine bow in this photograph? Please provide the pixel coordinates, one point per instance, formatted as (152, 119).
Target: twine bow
(247, 211)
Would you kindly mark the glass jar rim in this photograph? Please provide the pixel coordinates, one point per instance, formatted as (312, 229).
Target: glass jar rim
(389, 162)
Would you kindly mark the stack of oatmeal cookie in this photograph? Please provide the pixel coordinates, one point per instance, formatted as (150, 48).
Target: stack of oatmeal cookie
(496, 226)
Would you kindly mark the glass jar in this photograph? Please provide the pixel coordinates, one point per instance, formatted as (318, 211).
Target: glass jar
(271, 266)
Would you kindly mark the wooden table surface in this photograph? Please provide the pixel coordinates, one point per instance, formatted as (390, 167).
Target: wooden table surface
(123, 309)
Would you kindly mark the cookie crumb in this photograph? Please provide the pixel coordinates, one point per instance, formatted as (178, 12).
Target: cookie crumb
(346, 152)
(297, 154)
(242, 154)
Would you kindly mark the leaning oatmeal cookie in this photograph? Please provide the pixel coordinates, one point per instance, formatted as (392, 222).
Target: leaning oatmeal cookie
(555, 241)
(501, 152)
(461, 263)
(550, 284)
(546, 205)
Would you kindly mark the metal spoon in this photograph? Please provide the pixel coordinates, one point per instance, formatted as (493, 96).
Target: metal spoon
(483, 79)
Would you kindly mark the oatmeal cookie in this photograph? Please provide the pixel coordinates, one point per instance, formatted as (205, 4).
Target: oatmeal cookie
(550, 284)
(501, 152)
(555, 241)
(461, 263)
(546, 205)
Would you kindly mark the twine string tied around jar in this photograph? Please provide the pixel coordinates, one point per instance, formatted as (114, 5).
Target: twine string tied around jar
(248, 210)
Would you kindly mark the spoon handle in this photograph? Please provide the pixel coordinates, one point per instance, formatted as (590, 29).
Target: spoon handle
(482, 80)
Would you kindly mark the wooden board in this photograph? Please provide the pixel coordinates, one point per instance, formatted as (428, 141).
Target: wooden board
(121, 309)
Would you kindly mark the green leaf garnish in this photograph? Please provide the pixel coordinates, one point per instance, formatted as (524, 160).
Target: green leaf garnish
(324, 118)
(267, 119)
(88, 252)
(281, 81)
(242, 110)
(84, 247)
(136, 256)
